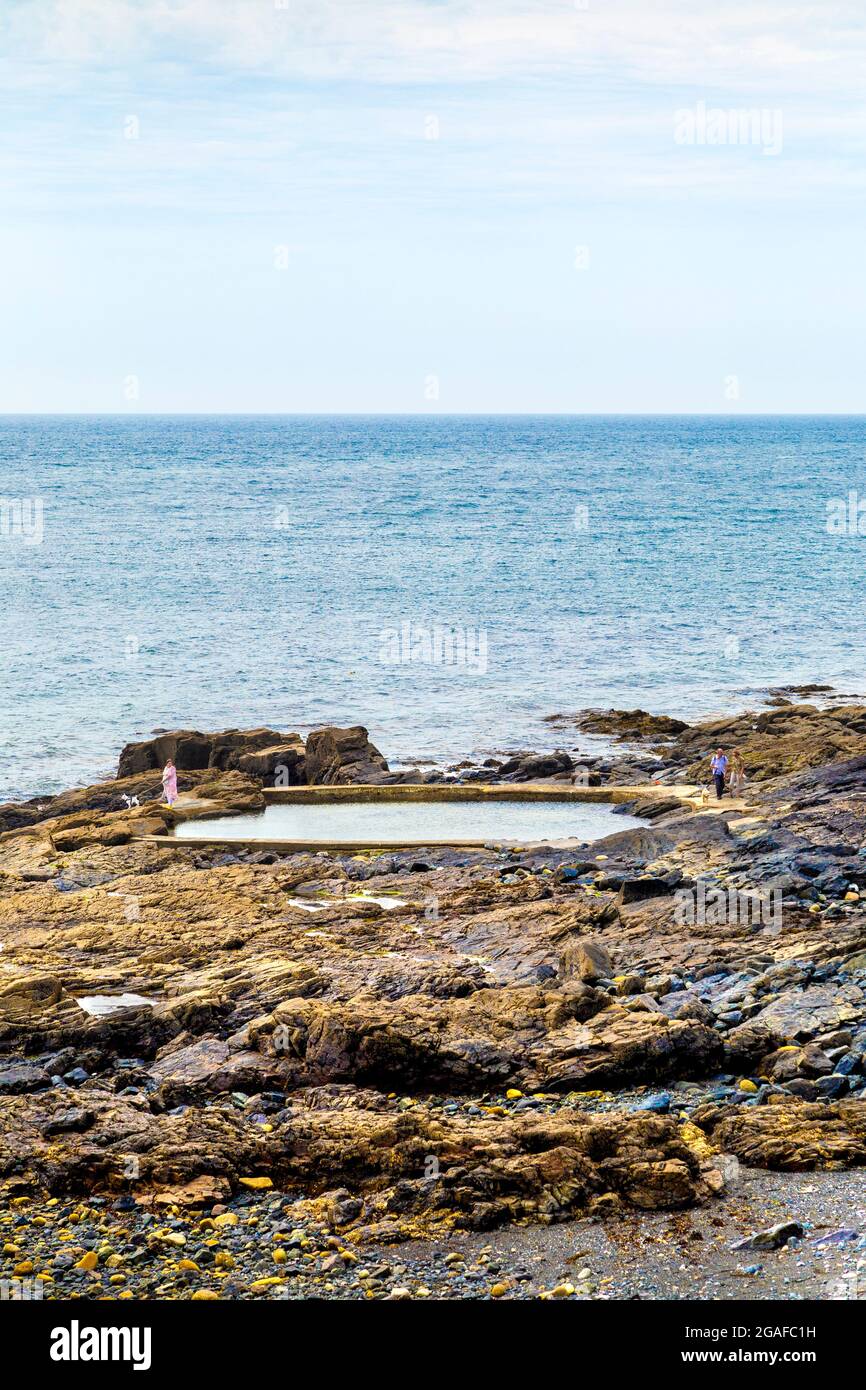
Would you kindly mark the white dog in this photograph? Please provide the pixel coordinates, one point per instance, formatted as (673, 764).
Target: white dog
(130, 801)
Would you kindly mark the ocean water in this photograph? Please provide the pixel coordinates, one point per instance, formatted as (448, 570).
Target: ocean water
(447, 581)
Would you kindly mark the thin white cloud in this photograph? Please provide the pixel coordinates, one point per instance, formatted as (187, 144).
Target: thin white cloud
(239, 97)
(736, 46)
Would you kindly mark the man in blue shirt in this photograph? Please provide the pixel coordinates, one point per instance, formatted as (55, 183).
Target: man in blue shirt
(718, 767)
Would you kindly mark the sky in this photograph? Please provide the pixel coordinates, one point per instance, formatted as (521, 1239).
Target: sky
(432, 205)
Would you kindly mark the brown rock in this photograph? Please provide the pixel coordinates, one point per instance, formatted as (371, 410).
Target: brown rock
(587, 957)
(655, 1186)
(624, 724)
(280, 765)
(778, 741)
(621, 1046)
(208, 1067)
(192, 750)
(19, 998)
(489, 1171)
(794, 1137)
(340, 756)
(188, 748)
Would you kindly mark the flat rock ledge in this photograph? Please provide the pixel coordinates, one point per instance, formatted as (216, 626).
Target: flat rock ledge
(403, 1164)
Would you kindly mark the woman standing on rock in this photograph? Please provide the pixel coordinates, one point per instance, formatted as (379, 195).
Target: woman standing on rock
(169, 781)
(738, 773)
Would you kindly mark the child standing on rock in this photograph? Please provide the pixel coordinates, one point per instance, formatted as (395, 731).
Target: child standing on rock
(169, 781)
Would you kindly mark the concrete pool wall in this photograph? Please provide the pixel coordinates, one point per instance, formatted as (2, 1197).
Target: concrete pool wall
(482, 793)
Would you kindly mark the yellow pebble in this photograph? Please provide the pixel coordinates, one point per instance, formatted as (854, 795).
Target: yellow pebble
(280, 1257)
(747, 1085)
(187, 1264)
(498, 1290)
(513, 1094)
(223, 1260)
(117, 1279)
(202, 1295)
(25, 1267)
(88, 1261)
(257, 1184)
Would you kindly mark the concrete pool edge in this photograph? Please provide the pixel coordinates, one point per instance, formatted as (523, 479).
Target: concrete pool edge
(338, 846)
(472, 791)
(414, 792)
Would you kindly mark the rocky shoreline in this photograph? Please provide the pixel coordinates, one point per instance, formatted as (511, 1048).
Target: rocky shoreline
(341, 1053)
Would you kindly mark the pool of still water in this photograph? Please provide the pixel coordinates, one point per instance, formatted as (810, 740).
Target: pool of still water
(418, 822)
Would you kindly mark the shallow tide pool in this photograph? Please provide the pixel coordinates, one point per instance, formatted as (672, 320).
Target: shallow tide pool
(418, 822)
(99, 1004)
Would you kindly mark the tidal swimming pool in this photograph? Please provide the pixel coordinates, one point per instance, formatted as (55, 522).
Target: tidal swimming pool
(417, 822)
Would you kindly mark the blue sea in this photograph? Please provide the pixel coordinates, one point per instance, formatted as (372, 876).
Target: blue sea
(447, 581)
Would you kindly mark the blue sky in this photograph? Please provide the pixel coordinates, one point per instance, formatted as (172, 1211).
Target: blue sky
(430, 205)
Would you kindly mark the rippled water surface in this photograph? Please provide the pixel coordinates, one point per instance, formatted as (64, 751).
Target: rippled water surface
(218, 571)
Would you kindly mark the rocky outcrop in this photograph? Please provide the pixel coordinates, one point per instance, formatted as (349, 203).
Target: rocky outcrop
(622, 1046)
(529, 766)
(588, 959)
(279, 765)
(793, 1137)
(342, 756)
(626, 725)
(397, 1163)
(775, 742)
(445, 1036)
(256, 751)
(101, 819)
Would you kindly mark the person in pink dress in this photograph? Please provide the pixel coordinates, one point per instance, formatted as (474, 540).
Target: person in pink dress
(169, 781)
